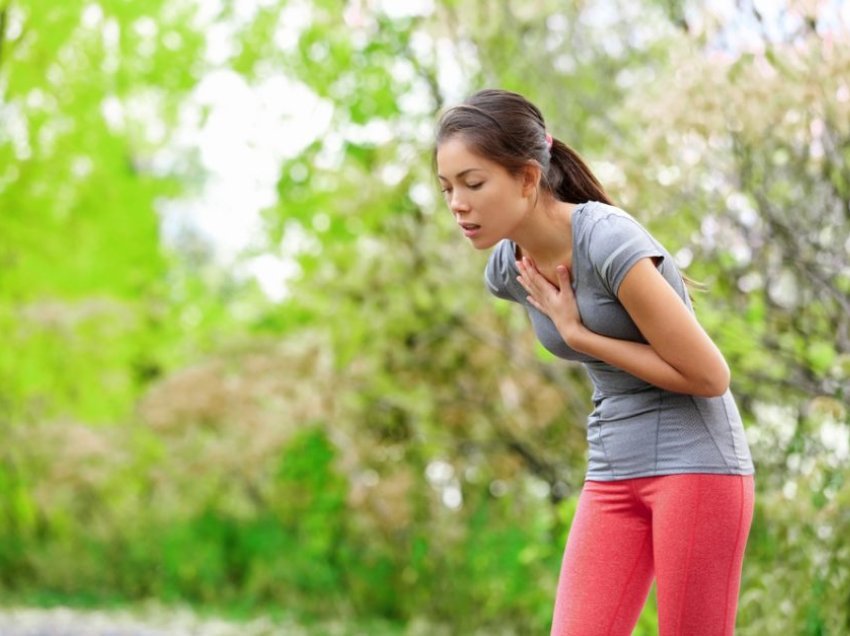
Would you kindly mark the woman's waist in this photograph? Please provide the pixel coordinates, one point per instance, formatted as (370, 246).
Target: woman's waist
(609, 381)
(661, 406)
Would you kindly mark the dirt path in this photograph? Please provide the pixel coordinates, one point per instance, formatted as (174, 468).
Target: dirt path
(68, 622)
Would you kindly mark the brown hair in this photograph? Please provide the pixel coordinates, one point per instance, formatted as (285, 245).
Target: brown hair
(508, 129)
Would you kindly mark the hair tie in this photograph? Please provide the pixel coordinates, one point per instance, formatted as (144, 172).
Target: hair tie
(548, 141)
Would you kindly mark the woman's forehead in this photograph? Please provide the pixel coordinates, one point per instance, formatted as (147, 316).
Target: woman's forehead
(454, 159)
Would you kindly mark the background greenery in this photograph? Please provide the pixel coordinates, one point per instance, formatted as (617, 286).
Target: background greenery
(387, 442)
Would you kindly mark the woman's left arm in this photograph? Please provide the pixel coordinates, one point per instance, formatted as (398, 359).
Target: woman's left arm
(679, 356)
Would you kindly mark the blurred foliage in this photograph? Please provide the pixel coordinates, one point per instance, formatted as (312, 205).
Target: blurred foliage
(388, 442)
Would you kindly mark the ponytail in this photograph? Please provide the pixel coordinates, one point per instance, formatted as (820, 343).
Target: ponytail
(570, 179)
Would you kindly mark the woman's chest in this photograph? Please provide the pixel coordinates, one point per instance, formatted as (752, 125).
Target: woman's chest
(603, 314)
(599, 312)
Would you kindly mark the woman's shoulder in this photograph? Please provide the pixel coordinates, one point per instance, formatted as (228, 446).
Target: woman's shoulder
(612, 241)
(608, 224)
(502, 253)
(593, 212)
(498, 272)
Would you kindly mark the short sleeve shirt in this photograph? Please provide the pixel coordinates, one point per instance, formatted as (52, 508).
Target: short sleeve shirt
(635, 429)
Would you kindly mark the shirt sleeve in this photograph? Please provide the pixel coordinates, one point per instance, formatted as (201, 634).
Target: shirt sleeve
(498, 272)
(617, 243)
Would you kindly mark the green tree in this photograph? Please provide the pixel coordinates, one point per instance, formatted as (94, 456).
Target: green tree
(388, 440)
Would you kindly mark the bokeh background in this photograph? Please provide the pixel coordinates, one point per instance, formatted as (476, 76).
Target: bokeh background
(248, 365)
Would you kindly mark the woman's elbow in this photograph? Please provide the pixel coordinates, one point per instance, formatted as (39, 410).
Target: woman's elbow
(715, 383)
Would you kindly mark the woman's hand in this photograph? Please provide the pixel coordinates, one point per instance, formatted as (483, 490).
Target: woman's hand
(559, 304)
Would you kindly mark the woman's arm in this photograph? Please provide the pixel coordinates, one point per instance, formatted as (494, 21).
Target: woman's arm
(679, 355)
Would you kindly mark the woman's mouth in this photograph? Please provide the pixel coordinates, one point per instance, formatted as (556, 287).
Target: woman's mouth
(469, 229)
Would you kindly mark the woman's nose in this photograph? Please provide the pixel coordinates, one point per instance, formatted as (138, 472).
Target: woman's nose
(457, 204)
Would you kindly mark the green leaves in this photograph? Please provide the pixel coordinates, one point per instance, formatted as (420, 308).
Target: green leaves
(356, 444)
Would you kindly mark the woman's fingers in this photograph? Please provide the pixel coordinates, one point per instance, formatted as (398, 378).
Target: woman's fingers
(528, 278)
(532, 276)
(528, 270)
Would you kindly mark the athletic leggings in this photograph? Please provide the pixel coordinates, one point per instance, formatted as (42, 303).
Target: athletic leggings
(688, 531)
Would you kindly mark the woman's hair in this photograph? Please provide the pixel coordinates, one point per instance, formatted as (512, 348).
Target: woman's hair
(506, 128)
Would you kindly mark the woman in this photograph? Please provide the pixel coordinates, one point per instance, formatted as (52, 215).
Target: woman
(669, 489)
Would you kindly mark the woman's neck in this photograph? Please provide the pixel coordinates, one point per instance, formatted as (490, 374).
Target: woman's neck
(546, 235)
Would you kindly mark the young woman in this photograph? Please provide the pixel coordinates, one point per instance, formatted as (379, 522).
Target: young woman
(669, 489)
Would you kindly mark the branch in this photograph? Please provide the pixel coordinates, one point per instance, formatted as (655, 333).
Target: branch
(676, 15)
(517, 356)
(428, 74)
(558, 490)
(805, 264)
(536, 463)
(4, 14)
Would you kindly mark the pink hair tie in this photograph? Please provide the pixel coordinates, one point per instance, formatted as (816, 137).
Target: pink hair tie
(549, 141)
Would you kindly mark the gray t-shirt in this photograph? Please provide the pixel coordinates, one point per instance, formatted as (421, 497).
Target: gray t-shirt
(635, 429)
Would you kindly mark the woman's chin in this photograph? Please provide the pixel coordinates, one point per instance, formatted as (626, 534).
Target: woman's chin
(481, 242)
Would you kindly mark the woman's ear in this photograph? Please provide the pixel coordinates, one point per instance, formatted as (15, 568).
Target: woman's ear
(530, 178)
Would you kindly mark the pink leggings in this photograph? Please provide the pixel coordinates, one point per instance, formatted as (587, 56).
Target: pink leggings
(689, 531)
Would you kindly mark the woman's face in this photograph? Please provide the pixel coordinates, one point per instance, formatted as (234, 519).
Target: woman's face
(488, 203)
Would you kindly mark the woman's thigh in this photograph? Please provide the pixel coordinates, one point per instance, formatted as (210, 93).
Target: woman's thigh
(607, 567)
(700, 524)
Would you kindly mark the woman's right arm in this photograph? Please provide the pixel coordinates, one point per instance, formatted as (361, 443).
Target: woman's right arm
(679, 356)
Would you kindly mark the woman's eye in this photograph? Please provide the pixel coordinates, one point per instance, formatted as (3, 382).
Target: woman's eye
(475, 186)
